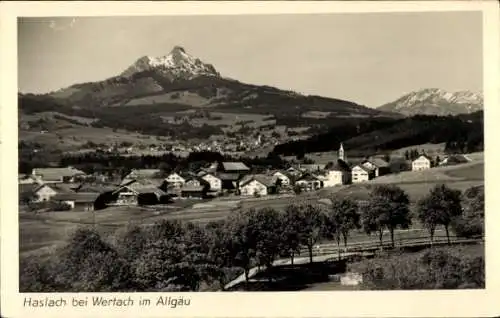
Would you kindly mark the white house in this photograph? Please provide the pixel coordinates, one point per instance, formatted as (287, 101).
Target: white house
(283, 177)
(256, 185)
(215, 182)
(175, 179)
(309, 182)
(421, 163)
(361, 174)
(43, 193)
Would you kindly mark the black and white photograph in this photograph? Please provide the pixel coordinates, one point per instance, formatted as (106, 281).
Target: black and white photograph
(253, 154)
(302, 152)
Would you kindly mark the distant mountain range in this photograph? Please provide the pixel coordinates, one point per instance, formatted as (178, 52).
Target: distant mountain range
(179, 79)
(434, 101)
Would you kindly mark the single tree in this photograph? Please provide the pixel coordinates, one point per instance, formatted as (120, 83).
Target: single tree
(342, 218)
(312, 221)
(266, 224)
(290, 229)
(440, 207)
(243, 240)
(387, 208)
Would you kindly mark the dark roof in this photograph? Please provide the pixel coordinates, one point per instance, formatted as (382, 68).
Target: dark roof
(285, 173)
(312, 167)
(95, 188)
(339, 165)
(28, 188)
(308, 177)
(379, 163)
(81, 197)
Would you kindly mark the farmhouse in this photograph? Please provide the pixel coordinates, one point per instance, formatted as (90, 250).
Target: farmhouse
(380, 166)
(139, 193)
(175, 179)
(310, 182)
(258, 185)
(57, 175)
(80, 201)
(194, 191)
(361, 174)
(336, 173)
(293, 172)
(214, 181)
(421, 163)
(36, 192)
(284, 177)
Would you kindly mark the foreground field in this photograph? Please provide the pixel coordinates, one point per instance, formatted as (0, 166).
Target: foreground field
(39, 233)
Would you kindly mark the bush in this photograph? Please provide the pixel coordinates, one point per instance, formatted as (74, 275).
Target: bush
(432, 269)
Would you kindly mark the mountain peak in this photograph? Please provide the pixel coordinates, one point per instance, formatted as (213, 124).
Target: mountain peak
(436, 101)
(178, 49)
(177, 64)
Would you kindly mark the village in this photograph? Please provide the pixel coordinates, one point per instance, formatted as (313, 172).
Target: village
(68, 188)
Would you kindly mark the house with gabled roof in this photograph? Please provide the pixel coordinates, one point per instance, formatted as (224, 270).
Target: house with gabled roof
(257, 185)
(360, 173)
(175, 179)
(36, 193)
(139, 193)
(294, 171)
(423, 162)
(309, 182)
(79, 201)
(214, 181)
(378, 165)
(57, 175)
(285, 178)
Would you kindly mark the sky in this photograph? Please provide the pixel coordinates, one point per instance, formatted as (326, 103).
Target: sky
(367, 58)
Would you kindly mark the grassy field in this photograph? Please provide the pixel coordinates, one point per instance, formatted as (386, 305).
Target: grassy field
(47, 229)
(73, 138)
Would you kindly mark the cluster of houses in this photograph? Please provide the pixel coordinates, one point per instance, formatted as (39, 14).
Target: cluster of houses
(153, 186)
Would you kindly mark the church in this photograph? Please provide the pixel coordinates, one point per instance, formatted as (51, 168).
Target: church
(339, 172)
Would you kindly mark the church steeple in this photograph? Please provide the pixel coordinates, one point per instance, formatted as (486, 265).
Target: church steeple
(341, 154)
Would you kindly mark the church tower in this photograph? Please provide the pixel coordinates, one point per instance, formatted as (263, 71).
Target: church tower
(341, 154)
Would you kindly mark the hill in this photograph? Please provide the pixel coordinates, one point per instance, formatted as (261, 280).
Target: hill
(435, 101)
(461, 133)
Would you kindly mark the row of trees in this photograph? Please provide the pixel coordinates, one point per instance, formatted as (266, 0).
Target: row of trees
(173, 256)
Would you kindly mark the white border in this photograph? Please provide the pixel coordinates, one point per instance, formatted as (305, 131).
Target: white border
(302, 304)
